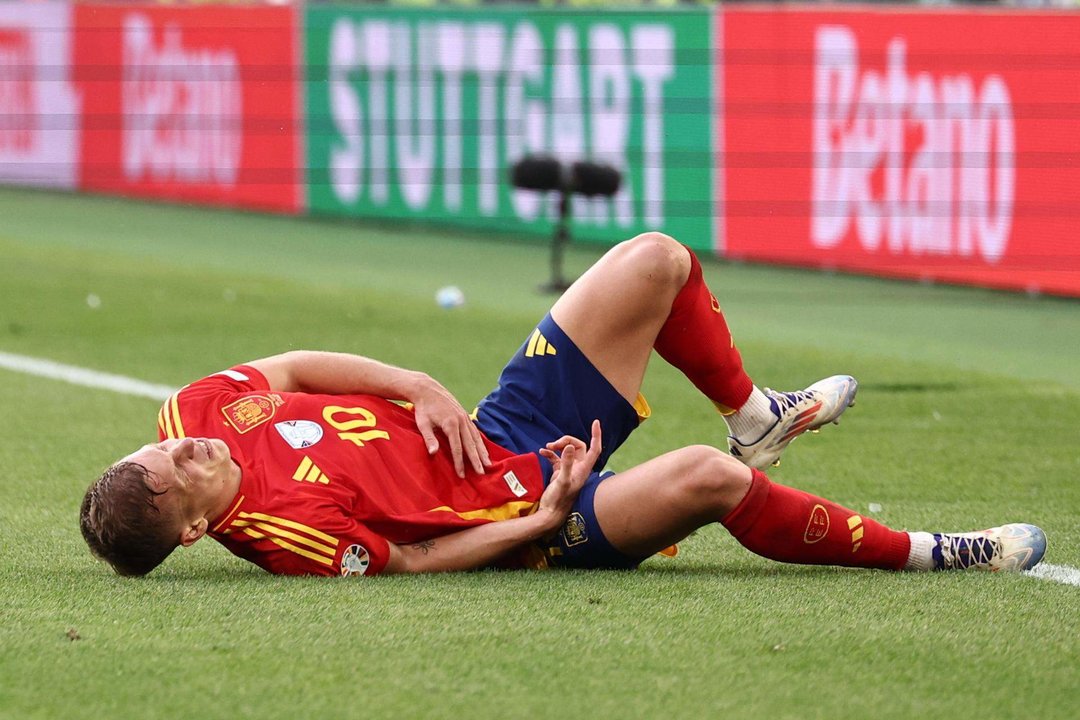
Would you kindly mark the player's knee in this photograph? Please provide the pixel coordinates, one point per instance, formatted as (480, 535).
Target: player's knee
(715, 479)
(662, 258)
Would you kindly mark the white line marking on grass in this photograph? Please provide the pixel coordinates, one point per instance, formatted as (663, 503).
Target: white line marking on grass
(83, 376)
(1058, 573)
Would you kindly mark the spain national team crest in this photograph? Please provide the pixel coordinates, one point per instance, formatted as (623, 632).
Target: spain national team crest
(355, 561)
(248, 413)
(300, 434)
(573, 531)
(818, 525)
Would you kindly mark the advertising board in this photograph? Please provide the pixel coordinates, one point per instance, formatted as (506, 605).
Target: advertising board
(935, 145)
(39, 105)
(190, 103)
(420, 114)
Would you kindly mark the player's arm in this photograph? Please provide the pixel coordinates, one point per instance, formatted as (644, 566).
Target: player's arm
(481, 545)
(342, 374)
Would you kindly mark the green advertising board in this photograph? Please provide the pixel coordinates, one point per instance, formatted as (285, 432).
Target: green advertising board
(419, 114)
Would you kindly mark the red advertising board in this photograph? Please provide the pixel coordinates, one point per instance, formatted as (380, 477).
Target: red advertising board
(190, 103)
(39, 108)
(939, 145)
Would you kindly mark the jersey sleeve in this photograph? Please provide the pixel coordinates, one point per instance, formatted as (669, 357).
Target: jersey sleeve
(338, 547)
(190, 409)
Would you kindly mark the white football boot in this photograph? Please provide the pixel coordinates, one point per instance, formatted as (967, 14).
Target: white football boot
(795, 413)
(1016, 546)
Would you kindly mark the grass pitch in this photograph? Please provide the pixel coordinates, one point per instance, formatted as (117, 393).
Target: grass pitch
(967, 417)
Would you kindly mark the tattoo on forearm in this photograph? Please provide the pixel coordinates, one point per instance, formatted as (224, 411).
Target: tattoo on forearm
(424, 546)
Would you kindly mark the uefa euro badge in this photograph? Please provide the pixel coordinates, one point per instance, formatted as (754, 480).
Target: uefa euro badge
(300, 434)
(573, 531)
(354, 561)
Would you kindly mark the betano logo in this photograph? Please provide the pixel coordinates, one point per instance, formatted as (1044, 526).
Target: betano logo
(18, 119)
(949, 193)
(183, 108)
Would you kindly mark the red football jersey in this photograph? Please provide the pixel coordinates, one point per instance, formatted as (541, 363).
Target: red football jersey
(328, 480)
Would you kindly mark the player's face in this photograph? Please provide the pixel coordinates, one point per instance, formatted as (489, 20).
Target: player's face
(192, 470)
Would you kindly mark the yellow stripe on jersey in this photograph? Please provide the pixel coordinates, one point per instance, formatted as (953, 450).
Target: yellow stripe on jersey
(302, 470)
(228, 514)
(163, 416)
(290, 547)
(161, 420)
(290, 524)
(279, 532)
(174, 404)
(510, 510)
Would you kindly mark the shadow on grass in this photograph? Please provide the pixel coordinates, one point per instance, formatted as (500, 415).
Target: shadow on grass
(239, 574)
(911, 387)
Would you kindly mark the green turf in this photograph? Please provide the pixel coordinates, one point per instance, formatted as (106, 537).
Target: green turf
(967, 416)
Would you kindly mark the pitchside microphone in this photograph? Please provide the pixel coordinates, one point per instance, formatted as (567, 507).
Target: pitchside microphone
(544, 173)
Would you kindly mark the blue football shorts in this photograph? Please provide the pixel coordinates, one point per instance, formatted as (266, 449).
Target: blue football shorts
(547, 390)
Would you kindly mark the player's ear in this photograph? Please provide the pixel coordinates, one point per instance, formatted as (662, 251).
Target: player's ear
(193, 532)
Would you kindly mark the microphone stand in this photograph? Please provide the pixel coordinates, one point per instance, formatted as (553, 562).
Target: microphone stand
(558, 283)
(542, 173)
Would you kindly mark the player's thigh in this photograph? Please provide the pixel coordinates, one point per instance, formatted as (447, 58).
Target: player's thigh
(614, 311)
(658, 503)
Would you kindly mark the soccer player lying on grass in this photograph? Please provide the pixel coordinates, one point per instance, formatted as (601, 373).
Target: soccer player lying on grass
(303, 463)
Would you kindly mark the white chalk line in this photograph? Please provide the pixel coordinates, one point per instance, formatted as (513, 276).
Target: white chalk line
(1058, 573)
(85, 377)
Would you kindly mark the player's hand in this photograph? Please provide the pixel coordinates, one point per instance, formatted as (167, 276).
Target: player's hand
(437, 409)
(572, 464)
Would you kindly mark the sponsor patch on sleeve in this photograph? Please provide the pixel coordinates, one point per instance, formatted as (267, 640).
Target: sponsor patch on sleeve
(355, 560)
(514, 484)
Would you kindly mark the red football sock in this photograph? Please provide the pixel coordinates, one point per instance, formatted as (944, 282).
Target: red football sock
(695, 338)
(789, 525)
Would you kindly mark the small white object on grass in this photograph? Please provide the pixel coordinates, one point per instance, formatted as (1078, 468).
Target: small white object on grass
(450, 297)
(875, 507)
(93, 301)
